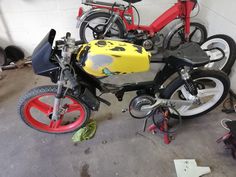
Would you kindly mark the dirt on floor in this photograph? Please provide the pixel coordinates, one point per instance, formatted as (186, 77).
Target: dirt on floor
(119, 148)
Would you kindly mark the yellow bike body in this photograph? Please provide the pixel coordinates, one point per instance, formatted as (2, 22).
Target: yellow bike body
(109, 57)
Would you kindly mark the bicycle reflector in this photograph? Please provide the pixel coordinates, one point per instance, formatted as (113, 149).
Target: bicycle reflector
(80, 12)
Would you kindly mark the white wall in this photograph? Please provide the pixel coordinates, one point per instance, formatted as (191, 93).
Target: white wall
(25, 22)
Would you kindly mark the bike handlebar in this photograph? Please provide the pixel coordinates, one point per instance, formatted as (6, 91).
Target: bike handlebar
(92, 2)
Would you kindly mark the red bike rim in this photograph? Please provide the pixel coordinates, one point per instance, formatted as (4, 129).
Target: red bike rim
(46, 110)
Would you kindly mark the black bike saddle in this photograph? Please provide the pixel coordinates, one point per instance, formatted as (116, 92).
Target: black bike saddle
(189, 54)
(132, 1)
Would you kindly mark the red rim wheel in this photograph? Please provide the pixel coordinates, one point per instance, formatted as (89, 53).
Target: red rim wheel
(36, 110)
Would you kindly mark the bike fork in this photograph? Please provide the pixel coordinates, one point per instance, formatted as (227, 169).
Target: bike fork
(189, 85)
(57, 100)
(112, 20)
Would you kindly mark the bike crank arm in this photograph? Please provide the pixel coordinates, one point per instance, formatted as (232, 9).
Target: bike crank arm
(167, 102)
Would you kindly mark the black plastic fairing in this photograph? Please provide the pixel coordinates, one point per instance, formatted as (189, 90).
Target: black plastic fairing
(41, 62)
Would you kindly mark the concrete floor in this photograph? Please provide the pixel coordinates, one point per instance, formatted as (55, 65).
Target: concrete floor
(116, 150)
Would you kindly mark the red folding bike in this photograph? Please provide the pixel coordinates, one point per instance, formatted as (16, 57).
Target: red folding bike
(106, 20)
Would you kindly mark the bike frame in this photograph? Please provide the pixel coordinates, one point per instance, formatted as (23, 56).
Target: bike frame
(180, 10)
(148, 87)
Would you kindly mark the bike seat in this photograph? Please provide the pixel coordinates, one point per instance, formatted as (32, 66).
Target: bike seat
(132, 1)
(188, 54)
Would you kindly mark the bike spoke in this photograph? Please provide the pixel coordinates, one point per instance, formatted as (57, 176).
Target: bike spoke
(114, 29)
(181, 35)
(193, 32)
(55, 124)
(184, 109)
(207, 92)
(73, 107)
(217, 54)
(41, 106)
(227, 51)
(93, 29)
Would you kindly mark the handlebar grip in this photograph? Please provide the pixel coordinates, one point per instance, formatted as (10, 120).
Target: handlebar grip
(72, 80)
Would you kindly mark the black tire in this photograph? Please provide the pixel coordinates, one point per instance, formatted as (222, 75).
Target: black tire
(83, 26)
(180, 31)
(14, 53)
(227, 63)
(42, 90)
(3, 58)
(173, 87)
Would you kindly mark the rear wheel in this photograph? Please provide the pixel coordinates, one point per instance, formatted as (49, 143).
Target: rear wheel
(95, 25)
(216, 87)
(36, 107)
(228, 45)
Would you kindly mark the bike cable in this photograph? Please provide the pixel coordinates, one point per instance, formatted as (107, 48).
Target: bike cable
(198, 11)
(137, 14)
(158, 119)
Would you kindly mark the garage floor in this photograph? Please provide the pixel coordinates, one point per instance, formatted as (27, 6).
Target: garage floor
(116, 150)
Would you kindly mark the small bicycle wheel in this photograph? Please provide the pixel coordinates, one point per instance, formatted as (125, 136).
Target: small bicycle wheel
(95, 25)
(36, 107)
(198, 34)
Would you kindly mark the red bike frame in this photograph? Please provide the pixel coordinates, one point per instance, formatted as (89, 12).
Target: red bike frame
(182, 9)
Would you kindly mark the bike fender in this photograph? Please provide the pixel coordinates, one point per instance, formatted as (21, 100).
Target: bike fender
(167, 37)
(93, 11)
(90, 100)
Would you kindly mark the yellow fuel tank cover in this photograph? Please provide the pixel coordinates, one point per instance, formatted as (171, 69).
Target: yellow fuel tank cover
(109, 57)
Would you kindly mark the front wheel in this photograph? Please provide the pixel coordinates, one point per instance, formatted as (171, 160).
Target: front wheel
(36, 107)
(212, 86)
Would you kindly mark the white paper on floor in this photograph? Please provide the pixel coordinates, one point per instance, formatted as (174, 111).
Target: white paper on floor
(189, 168)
